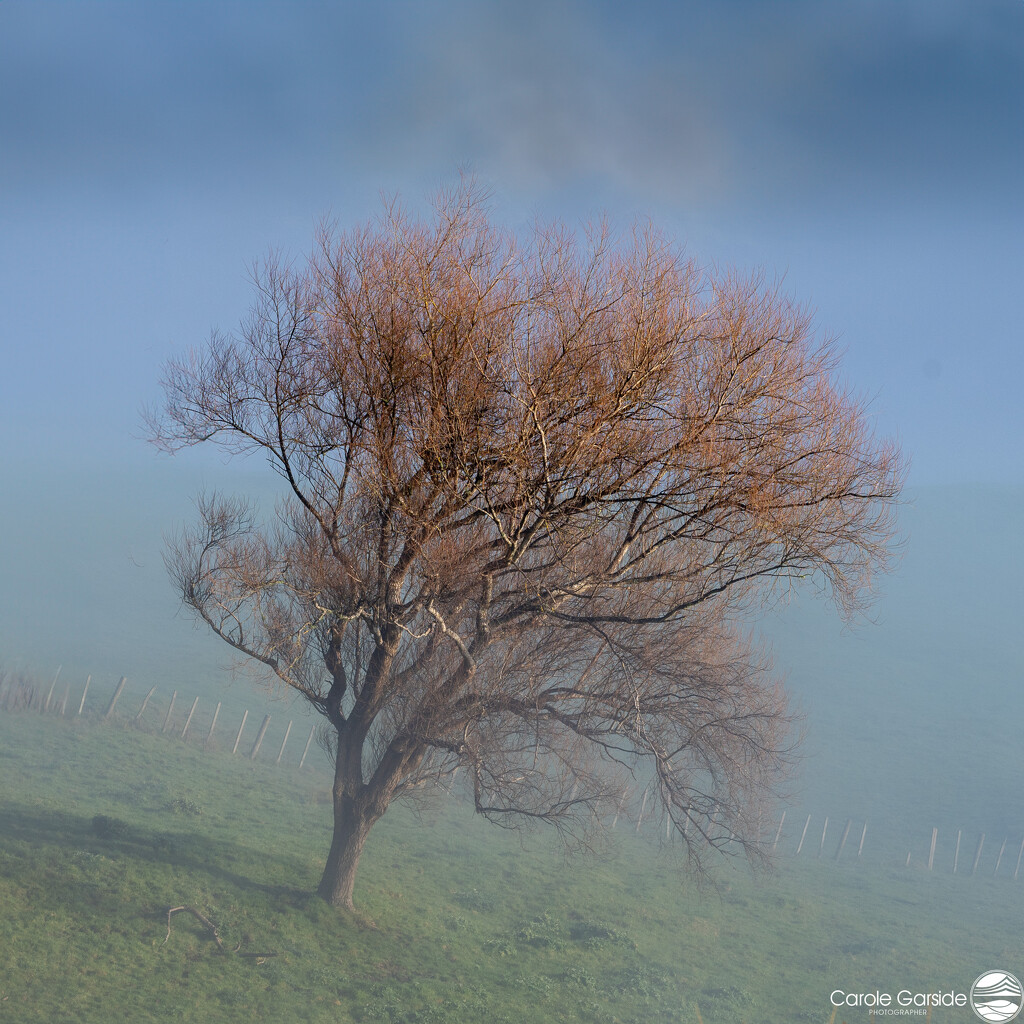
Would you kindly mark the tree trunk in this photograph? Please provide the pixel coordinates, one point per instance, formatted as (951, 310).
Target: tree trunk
(358, 806)
(350, 831)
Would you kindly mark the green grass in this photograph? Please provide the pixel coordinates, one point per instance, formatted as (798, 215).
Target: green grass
(103, 828)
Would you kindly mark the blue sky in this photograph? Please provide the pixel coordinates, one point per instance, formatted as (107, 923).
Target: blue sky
(870, 153)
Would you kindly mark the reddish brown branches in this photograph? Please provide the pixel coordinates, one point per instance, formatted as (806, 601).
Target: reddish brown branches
(531, 481)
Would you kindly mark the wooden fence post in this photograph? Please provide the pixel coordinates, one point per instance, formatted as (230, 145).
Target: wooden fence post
(188, 721)
(170, 708)
(305, 749)
(245, 715)
(643, 807)
(977, 855)
(864, 832)
(803, 835)
(84, 692)
(618, 807)
(842, 842)
(778, 831)
(216, 712)
(64, 699)
(821, 845)
(999, 859)
(113, 700)
(138, 717)
(1020, 853)
(46, 705)
(956, 852)
(259, 738)
(931, 850)
(283, 742)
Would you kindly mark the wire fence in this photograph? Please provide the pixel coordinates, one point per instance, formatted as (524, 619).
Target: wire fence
(953, 851)
(178, 718)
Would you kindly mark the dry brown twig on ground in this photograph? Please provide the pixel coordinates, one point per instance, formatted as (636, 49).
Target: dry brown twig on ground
(203, 919)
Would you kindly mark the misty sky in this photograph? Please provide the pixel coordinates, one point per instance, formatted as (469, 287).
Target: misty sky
(870, 153)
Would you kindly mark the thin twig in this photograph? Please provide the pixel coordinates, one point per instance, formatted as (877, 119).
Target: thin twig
(203, 919)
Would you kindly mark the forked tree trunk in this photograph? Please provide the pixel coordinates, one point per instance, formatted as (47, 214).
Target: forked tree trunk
(358, 806)
(350, 831)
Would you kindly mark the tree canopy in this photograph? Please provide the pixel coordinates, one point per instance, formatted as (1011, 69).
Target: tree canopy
(530, 482)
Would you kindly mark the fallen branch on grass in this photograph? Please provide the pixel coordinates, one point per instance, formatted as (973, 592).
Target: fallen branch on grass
(203, 919)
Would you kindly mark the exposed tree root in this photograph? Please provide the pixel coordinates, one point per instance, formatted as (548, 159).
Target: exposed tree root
(203, 919)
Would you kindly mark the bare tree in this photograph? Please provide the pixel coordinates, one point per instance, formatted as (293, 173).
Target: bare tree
(530, 486)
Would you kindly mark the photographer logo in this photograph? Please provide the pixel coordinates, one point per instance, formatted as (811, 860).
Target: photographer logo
(996, 996)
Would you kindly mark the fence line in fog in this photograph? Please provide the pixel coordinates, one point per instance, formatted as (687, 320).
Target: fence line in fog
(19, 693)
(853, 838)
(929, 863)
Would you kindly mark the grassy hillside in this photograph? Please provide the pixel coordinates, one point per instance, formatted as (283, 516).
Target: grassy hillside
(104, 827)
